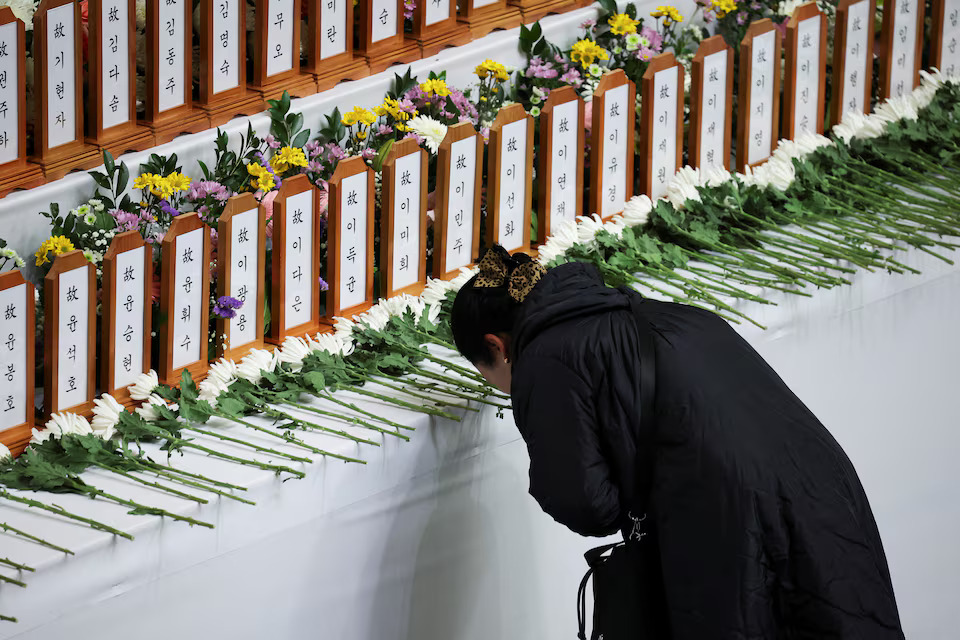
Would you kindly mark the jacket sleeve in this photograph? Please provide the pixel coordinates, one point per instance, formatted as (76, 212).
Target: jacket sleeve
(569, 474)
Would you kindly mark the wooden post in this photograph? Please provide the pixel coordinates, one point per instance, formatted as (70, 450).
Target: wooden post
(852, 58)
(711, 105)
(276, 55)
(169, 99)
(662, 124)
(184, 299)
(127, 313)
(350, 232)
(380, 39)
(403, 219)
(510, 179)
(295, 296)
(241, 264)
(900, 58)
(759, 95)
(484, 16)
(945, 36)
(805, 92)
(112, 123)
(435, 26)
(223, 62)
(456, 228)
(17, 346)
(612, 144)
(560, 168)
(58, 124)
(70, 333)
(534, 10)
(330, 44)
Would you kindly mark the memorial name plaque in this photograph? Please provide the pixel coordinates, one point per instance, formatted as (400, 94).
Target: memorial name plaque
(852, 58)
(560, 172)
(510, 179)
(711, 105)
(17, 345)
(759, 106)
(612, 145)
(350, 240)
(15, 171)
(902, 34)
(662, 124)
(804, 90)
(457, 225)
(945, 36)
(404, 219)
(241, 233)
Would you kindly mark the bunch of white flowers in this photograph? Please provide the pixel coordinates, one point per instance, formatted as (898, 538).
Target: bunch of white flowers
(5, 455)
(61, 424)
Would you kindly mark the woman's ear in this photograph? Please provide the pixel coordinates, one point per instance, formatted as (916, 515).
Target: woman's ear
(498, 346)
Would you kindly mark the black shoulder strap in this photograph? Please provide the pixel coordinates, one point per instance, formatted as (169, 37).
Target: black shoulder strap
(643, 461)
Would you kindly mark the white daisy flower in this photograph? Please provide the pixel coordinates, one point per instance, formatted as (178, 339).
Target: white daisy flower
(432, 131)
(255, 363)
(637, 210)
(106, 416)
(144, 385)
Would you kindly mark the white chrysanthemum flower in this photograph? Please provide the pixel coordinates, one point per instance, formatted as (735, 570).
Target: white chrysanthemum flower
(614, 226)
(684, 186)
(293, 351)
(148, 410)
(563, 237)
(588, 228)
(62, 424)
(5, 454)
(777, 173)
(435, 291)
(253, 365)
(343, 327)
(211, 388)
(637, 210)
(106, 416)
(24, 10)
(633, 41)
(808, 142)
(714, 176)
(224, 370)
(897, 109)
(433, 313)
(787, 7)
(462, 278)
(432, 131)
(375, 318)
(331, 343)
(144, 385)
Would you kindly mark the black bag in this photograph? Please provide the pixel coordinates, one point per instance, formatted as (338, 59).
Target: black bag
(628, 594)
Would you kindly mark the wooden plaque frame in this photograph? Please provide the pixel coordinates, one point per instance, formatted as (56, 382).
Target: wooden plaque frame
(483, 20)
(19, 174)
(169, 124)
(127, 136)
(239, 204)
(182, 224)
(223, 106)
(380, 55)
(271, 87)
(534, 10)
(17, 437)
(51, 338)
(662, 62)
(403, 148)
(886, 52)
(291, 187)
(456, 133)
(937, 25)
(755, 29)
(58, 161)
(434, 38)
(610, 81)
(710, 46)
(508, 115)
(328, 72)
(123, 242)
(837, 108)
(557, 97)
(804, 12)
(345, 169)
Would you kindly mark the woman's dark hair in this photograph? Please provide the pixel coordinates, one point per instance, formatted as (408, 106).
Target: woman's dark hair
(478, 311)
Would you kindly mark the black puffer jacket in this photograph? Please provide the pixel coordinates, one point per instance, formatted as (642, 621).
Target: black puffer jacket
(764, 528)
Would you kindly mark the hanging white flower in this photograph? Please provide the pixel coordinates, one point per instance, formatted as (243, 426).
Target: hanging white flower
(106, 416)
(253, 365)
(432, 131)
(637, 210)
(5, 455)
(144, 385)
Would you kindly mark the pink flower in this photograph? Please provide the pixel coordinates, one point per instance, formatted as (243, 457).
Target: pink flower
(655, 38)
(324, 200)
(644, 54)
(588, 24)
(267, 203)
(588, 115)
(369, 154)
(572, 78)
(782, 27)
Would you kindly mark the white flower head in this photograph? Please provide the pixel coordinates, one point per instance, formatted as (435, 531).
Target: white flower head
(563, 237)
(435, 292)
(293, 351)
(637, 210)
(462, 278)
(62, 424)
(22, 9)
(5, 455)
(148, 410)
(684, 186)
(432, 131)
(535, 111)
(343, 327)
(896, 109)
(253, 365)
(787, 7)
(224, 370)
(211, 388)
(588, 228)
(144, 385)
(633, 41)
(106, 416)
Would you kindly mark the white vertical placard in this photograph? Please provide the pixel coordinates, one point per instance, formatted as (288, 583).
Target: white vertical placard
(298, 275)
(226, 45)
(437, 10)
(950, 42)
(73, 327)
(713, 110)
(903, 51)
(128, 339)
(383, 19)
(333, 17)
(664, 151)
(806, 104)
(406, 221)
(13, 356)
(280, 44)
(353, 245)
(187, 311)
(244, 276)
(764, 64)
(513, 184)
(171, 83)
(617, 116)
(115, 62)
(859, 28)
(9, 97)
(61, 77)
(482, 3)
(565, 151)
(460, 202)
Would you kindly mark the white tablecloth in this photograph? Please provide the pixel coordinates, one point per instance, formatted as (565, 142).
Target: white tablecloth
(436, 539)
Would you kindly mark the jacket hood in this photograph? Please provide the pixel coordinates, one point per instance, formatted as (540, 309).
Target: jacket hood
(570, 291)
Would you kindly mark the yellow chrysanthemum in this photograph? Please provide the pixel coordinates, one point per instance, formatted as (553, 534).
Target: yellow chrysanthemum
(262, 178)
(586, 51)
(492, 68)
(391, 109)
(621, 24)
(58, 245)
(148, 181)
(723, 7)
(435, 86)
(669, 14)
(361, 135)
(177, 182)
(288, 157)
(359, 114)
